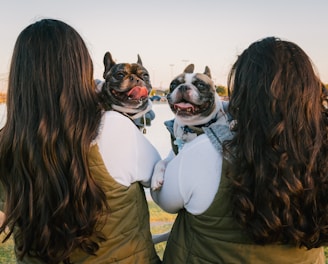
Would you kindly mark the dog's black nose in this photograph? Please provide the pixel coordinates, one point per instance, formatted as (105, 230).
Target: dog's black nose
(184, 88)
(133, 78)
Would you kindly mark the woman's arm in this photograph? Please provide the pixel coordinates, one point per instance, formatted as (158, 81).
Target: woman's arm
(127, 154)
(191, 179)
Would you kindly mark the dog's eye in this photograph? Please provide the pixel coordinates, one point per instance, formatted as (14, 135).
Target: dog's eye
(174, 85)
(200, 85)
(119, 75)
(145, 77)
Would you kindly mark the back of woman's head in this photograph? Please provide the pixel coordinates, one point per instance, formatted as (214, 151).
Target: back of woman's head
(52, 117)
(280, 144)
(50, 65)
(275, 76)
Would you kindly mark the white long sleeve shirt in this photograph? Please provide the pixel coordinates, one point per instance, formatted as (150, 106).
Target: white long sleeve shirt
(126, 152)
(191, 178)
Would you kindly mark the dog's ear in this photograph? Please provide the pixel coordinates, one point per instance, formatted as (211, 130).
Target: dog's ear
(189, 68)
(139, 60)
(108, 63)
(208, 72)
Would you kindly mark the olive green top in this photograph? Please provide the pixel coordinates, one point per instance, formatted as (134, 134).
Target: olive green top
(127, 228)
(215, 237)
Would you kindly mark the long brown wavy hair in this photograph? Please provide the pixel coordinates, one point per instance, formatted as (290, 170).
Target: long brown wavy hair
(280, 148)
(52, 203)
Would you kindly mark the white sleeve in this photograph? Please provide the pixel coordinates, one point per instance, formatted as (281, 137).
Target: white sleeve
(126, 152)
(191, 179)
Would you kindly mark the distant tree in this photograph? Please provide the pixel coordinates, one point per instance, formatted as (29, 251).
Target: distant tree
(2, 97)
(152, 92)
(158, 92)
(221, 90)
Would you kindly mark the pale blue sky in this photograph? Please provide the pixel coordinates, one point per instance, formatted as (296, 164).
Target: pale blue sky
(168, 33)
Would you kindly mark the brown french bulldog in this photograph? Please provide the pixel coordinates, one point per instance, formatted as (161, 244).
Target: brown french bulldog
(126, 89)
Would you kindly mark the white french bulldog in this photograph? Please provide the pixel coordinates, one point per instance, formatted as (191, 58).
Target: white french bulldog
(195, 104)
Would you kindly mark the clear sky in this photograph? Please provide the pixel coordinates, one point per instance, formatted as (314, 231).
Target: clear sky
(169, 34)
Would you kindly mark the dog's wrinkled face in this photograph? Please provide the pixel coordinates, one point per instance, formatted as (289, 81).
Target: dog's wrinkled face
(126, 85)
(192, 96)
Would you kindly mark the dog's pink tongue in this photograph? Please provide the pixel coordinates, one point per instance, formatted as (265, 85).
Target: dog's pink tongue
(138, 92)
(184, 106)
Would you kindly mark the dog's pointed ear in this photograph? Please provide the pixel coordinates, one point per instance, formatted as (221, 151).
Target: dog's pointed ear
(189, 68)
(108, 63)
(207, 72)
(139, 60)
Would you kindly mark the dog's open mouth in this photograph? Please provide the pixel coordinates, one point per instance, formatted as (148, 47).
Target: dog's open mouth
(188, 109)
(138, 93)
(135, 95)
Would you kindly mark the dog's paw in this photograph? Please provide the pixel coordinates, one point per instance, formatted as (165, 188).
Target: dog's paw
(157, 179)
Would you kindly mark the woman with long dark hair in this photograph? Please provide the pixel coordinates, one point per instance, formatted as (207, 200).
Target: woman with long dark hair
(257, 191)
(280, 186)
(61, 202)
